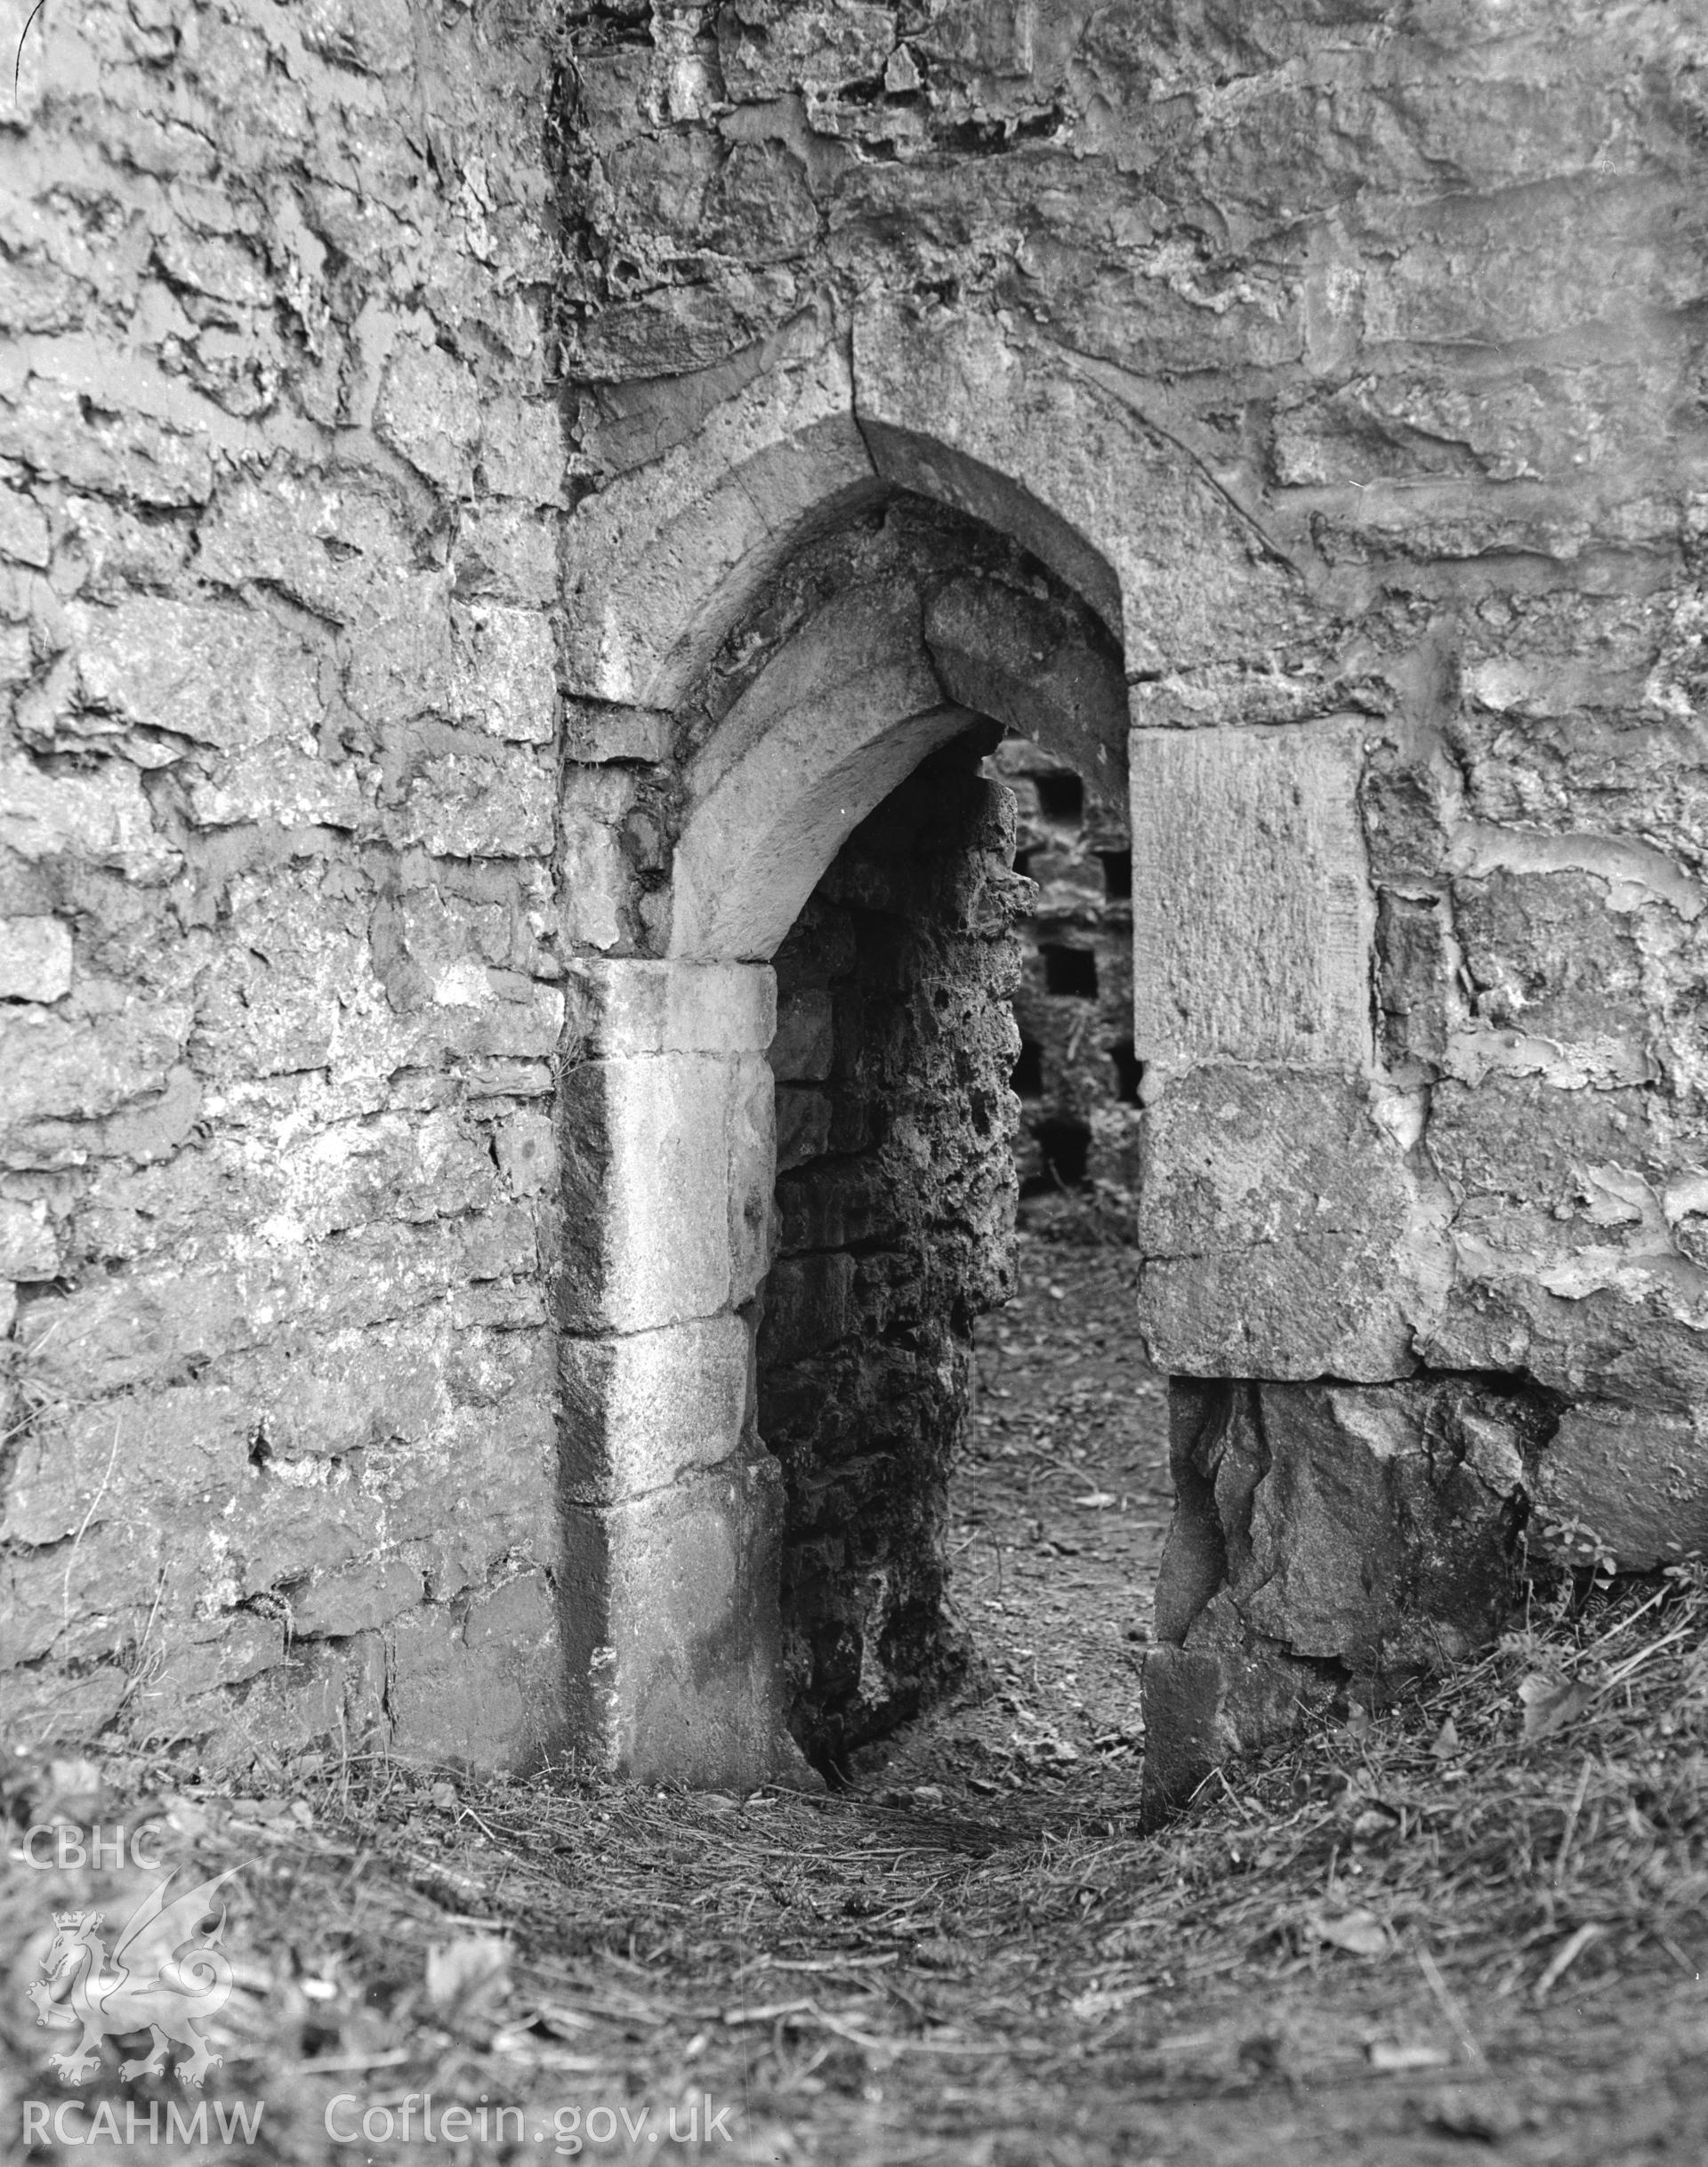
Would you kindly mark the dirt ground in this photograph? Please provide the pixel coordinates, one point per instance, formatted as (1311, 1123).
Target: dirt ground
(1469, 1926)
(1060, 1510)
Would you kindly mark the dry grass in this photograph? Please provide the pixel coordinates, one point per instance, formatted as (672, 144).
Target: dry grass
(1423, 1931)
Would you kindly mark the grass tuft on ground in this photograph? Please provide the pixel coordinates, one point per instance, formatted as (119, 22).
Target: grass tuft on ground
(1480, 1914)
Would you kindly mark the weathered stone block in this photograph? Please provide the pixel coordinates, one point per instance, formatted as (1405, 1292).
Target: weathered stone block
(596, 881)
(160, 1325)
(1322, 1532)
(56, 1066)
(34, 959)
(1252, 916)
(459, 795)
(428, 411)
(128, 1459)
(99, 818)
(397, 659)
(1565, 765)
(811, 49)
(479, 1686)
(29, 1247)
(664, 558)
(226, 677)
(671, 1637)
(1516, 1141)
(1415, 984)
(1550, 960)
(360, 1599)
(80, 1603)
(504, 672)
(760, 208)
(1405, 801)
(319, 542)
(802, 1125)
(521, 449)
(203, 1653)
(809, 1304)
(318, 1695)
(133, 454)
(1629, 1482)
(279, 782)
(596, 730)
(801, 1051)
(1279, 1230)
(527, 1154)
(627, 1006)
(510, 554)
(668, 1166)
(1383, 1532)
(1205, 1707)
(641, 1411)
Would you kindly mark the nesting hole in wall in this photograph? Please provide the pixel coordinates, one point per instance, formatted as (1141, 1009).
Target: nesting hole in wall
(1061, 797)
(1065, 1147)
(1069, 972)
(1117, 874)
(1027, 1077)
(1129, 1071)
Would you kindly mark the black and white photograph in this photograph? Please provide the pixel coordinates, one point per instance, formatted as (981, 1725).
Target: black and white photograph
(854, 1083)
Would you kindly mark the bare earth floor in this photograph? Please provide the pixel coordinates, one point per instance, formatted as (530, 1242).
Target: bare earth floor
(1059, 1512)
(1426, 1937)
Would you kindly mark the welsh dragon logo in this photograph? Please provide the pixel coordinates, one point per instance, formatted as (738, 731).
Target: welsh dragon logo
(165, 1976)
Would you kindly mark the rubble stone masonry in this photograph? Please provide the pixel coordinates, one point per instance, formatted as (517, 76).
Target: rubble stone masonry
(427, 437)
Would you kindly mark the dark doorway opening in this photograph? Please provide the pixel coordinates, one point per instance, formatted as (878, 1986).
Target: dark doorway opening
(895, 1203)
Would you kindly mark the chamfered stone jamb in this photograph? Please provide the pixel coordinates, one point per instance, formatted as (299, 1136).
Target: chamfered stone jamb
(673, 1510)
(676, 1672)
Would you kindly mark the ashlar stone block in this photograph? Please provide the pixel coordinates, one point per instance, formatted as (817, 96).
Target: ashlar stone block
(674, 1644)
(636, 1006)
(660, 562)
(669, 1162)
(1280, 1230)
(1251, 913)
(642, 1410)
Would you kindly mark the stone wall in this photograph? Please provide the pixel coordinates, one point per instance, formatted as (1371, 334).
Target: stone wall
(895, 1203)
(401, 416)
(280, 468)
(1349, 369)
(1078, 1077)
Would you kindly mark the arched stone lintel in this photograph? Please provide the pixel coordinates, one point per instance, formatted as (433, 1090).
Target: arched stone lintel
(841, 714)
(756, 849)
(1002, 655)
(911, 459)
(663, 561)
